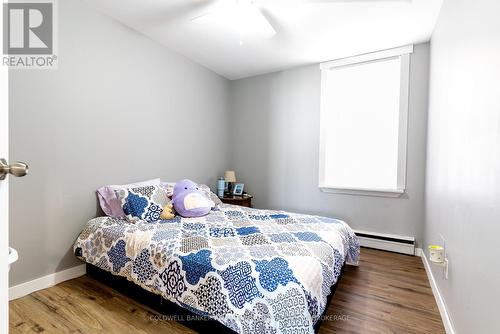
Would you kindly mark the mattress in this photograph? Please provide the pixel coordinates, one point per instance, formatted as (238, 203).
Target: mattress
(255, 271)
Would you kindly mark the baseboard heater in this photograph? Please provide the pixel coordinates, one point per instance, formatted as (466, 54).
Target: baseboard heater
(388, 242)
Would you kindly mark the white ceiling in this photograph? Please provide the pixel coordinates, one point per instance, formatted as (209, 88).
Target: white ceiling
(308, 31)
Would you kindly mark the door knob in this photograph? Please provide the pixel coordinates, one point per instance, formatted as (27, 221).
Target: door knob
(18, 169)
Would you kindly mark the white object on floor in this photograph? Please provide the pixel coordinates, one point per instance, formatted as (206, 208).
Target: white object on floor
(13, 256)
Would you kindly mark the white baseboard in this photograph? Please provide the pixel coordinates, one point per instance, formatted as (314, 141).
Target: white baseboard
(445, 316)
(44, 282)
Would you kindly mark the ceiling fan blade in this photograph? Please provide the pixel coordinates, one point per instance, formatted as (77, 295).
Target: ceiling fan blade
(272, 20)
(265, 3)
(180, 11)
(347, 1)
(282, 37)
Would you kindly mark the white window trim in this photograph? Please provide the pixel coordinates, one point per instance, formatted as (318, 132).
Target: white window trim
(404, 54)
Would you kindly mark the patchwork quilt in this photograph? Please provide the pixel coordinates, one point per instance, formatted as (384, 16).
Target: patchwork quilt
(255, 271)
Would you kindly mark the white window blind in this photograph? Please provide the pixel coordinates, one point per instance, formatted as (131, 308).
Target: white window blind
(364, 106)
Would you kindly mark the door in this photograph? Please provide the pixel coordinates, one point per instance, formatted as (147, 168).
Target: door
(4, 192)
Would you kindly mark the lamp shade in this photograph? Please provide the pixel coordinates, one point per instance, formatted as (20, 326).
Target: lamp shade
(230, 176)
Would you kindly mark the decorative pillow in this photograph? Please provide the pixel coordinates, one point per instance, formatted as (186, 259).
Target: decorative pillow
(210, 194)
(109, 201)
(169, 188)
(143, 203)
(189, 201)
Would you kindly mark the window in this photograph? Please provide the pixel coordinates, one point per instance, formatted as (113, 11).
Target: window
(364, 113)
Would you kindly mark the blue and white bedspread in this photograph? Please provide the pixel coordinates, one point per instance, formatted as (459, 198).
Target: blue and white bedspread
(255, 271)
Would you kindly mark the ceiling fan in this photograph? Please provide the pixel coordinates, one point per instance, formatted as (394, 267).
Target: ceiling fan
(252, 17)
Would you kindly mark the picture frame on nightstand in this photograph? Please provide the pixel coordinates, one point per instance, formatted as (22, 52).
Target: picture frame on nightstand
(238, 189)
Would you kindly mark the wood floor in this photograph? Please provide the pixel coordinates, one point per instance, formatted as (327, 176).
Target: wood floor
(387, 293)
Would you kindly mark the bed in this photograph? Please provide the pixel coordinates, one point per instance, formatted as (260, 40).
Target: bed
(253, 271)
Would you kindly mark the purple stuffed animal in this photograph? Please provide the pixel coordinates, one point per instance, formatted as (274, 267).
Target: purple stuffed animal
(189, 201)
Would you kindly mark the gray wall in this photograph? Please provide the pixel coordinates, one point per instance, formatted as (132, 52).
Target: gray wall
(120, 108)
(275, 148)
(463, 164)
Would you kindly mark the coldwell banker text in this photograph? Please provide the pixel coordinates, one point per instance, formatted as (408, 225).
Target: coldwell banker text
(29, 35)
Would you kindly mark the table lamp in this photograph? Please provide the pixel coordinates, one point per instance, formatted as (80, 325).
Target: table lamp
(230, 177)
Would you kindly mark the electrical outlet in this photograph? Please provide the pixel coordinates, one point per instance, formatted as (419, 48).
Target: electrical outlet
(443, 243)
(446, 263)
(445, 269)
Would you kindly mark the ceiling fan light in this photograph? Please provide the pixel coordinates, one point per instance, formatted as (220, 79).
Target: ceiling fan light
(243, 17)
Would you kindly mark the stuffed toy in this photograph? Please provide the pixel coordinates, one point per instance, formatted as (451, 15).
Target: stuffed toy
(189, 201)
(168, 212)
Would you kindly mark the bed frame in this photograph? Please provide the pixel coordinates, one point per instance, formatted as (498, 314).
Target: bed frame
(177, 313)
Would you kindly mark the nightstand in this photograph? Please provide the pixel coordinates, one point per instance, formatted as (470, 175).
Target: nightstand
(244, 200)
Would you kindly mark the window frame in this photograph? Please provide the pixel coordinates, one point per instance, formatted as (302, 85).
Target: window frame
(403, 53)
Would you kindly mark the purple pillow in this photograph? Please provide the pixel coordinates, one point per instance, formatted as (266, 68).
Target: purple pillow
(189, 201)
